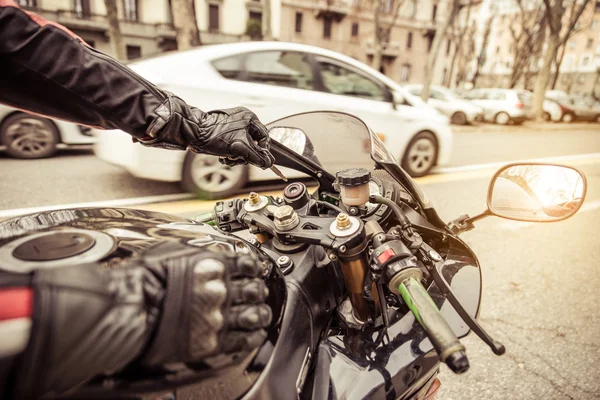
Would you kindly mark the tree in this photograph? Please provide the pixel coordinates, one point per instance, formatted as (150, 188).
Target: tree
(554, 11)
(467, 56)
(459, 33)
(266, 21)
(114, 30)
(454, 7)
(481, 58)
(385, 13)
(560, 54)
(184, 20)
(525, 28)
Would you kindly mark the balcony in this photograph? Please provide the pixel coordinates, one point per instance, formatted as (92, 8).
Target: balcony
(389, 49)
(88, 22)
(335, 9)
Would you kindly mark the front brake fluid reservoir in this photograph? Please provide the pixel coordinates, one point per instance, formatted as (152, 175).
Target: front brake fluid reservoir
(354, 186)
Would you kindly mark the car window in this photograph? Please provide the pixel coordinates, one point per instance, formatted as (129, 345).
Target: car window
(497, 96)
(230, 67)
(525, 97)
(437, 95)
(414, 90)
(475, 95)
(345, 81)
(281, 68)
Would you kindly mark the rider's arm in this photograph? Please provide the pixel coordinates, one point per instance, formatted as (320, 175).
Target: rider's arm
(60, 327)
(48, 70)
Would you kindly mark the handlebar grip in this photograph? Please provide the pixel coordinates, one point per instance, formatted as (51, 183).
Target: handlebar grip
(445, 342)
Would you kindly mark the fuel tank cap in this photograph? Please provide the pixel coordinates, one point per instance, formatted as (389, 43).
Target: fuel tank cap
(54, 247)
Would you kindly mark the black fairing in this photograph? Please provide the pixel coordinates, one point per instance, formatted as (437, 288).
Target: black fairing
(303, 356)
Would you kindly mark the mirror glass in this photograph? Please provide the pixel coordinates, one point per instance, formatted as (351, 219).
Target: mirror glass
(292, 138)
(533, 192)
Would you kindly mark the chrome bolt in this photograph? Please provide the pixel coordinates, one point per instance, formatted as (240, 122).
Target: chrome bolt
(283, 260)
(332, 257)
(435, 256)
(285, 218)
(353, 210)
(342, 249)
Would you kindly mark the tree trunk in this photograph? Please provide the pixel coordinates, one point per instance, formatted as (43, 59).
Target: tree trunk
(266, 20)
(435, 48)
(557, 64)
(377, 46)
(543, 76)
(458, 48)
(114, 30)
(184, 20)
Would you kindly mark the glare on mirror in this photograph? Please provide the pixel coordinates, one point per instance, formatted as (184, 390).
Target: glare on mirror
(292, 138)
(530, 192)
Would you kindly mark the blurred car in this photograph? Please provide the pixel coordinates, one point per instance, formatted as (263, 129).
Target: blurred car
(460, 112)
(30, 136)
(583, 108)
(554, 110)
(277, 79)
(502, 106)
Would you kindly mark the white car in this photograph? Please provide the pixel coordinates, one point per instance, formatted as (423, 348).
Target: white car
(24, 135)
(276, 79)
(460, 112)
(502, 106)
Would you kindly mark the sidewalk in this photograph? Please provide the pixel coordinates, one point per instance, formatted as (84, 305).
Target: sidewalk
(526, 126)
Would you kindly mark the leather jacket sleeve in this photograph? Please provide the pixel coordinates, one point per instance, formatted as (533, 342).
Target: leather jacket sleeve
(46, 69)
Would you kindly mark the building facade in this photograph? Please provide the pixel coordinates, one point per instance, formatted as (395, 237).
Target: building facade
(346, 26)
(579, 72)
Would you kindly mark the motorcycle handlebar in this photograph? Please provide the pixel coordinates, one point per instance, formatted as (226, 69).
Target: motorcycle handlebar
(445, 342)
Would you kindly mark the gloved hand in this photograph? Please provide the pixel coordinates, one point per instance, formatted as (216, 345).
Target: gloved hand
(214, 304)
(174, 303)
(235, 134)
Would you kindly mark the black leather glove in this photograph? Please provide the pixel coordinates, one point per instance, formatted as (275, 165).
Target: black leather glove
(235, 134)
(175, 303)
(214, 304)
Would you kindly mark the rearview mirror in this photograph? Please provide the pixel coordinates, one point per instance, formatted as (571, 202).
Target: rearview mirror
(536, 192)
(292, 138)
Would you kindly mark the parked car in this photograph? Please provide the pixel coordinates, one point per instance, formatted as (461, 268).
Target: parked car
(552, 109)
(583, 109)
(502, 106)
(24, 135)
(460, 112)
(276, 79)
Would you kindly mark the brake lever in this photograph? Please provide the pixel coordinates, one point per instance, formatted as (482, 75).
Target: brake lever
(434, 264)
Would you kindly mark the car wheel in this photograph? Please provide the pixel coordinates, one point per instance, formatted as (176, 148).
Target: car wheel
(421, 154)
(459, 118)
(502, 118)
(204, 175)
(546, 116)
(568, 117)
(28, 136)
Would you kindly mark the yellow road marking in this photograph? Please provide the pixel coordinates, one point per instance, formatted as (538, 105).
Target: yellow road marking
(200, 206)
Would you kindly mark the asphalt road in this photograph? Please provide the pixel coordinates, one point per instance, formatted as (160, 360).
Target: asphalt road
(540, 296)
(78, 176)
(541, 281)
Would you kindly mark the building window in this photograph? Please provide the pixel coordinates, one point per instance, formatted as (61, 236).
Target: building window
(27, 3)
(409, 40)
(405, 73)
(133, 52)
(429, 43)
(572, 44)
(585, 61)
(299, 22)
(590, 43)
(327, 27)
(213, 17)
(448, 47)
(354, 29)
(82, 8)
(413, 9)
(594, 24)
(130, 9)
(255, 15)
(434, 12)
